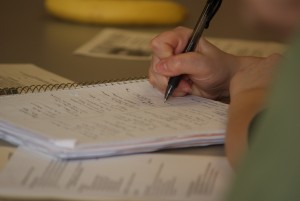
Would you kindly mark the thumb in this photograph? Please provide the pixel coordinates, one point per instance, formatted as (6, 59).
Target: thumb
(191, 63)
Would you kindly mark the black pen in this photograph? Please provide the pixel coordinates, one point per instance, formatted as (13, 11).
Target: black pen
(207, 14)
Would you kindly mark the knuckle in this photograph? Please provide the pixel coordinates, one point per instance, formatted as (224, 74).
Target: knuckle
(180, 28)
(155, 43)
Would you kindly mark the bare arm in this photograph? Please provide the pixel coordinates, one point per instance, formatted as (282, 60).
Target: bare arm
(248, 89)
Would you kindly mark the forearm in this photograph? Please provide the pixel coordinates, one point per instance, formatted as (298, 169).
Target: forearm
(242, 110)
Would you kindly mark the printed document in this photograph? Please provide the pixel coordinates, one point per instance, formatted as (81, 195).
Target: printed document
(128, 44)
(135, 177)
(118, 44)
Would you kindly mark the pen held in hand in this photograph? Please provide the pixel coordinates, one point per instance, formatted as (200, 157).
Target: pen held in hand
(207, 14)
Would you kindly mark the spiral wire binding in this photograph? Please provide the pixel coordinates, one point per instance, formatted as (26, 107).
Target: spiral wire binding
(63, 86)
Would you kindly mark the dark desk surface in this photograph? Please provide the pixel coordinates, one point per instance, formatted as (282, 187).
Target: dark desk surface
(29, 35)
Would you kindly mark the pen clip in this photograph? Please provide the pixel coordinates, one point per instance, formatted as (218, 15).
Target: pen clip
(213, 6)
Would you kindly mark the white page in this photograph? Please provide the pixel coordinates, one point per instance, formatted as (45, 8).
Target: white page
(17, 75)
(114, 114)
(135, 177)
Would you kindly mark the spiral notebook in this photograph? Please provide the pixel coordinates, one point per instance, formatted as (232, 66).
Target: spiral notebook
(105, 119)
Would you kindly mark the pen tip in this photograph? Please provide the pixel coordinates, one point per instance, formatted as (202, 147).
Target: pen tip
(167, 94)
(166, 97)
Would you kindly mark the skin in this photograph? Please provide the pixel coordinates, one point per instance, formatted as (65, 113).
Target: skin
(248, 91)
(212, 73)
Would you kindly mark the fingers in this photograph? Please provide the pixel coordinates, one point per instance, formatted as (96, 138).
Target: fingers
(170, 42)
(196, 66)
(163, 46)
(206, 60)
(160, 82)
(207, 70)
(188, 63)
(157, 80)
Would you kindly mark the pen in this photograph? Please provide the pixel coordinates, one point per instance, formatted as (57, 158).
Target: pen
(207, 14)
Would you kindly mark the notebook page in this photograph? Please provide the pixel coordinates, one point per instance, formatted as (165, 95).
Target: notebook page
(136, 177)
(131, 111)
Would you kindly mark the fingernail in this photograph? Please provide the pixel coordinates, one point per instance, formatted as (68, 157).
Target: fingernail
(161, 67)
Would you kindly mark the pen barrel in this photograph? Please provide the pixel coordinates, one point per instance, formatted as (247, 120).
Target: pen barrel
(207, 14)
(197, 32)
(174, 81)
(172, 85)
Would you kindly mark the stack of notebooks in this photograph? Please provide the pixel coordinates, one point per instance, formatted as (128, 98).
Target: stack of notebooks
(109, 119)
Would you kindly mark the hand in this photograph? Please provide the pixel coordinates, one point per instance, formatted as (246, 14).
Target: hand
(207, 71)
(254, 75)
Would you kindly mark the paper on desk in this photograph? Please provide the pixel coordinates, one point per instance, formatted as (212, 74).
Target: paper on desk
(128, 44)
(119, 44)
(18, 75)
(247, 47)
(135, 177)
